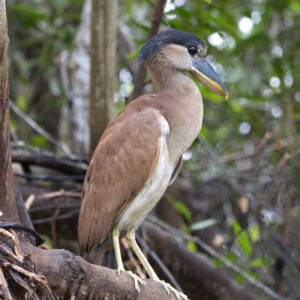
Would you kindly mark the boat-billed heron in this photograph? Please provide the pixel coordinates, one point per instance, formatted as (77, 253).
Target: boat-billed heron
(140, 151)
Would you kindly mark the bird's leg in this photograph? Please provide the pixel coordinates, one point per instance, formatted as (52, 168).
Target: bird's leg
(116, 244)
(130, 236)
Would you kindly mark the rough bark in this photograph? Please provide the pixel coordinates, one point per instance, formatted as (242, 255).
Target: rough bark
(7, 200)
(70, 275)
(103, 63)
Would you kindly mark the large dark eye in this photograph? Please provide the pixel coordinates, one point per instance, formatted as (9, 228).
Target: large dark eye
(192, 50)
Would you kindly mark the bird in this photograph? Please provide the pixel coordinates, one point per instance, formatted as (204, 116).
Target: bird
(140, 152)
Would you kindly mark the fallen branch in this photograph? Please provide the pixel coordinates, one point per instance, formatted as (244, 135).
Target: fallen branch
(71, 275)
(62, 164)
(79, 178)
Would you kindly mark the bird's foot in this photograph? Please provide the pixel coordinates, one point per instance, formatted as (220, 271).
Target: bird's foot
(169, 288)
(136, 278)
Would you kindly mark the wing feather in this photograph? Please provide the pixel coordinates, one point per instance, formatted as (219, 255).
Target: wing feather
(126, 156)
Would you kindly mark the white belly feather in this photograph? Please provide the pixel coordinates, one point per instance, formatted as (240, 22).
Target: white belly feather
(154, 188)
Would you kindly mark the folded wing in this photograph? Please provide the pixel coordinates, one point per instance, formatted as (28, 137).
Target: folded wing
(126, 156)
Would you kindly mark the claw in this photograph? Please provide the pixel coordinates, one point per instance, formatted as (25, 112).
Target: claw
(168, 287)
(136, 278)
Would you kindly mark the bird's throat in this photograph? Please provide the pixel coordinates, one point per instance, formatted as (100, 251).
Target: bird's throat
(181, 103)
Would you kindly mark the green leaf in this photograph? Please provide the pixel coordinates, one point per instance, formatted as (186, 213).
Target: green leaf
(295, 5)
(133, 55)
(38, 140)
(21, 102)
(236, 227)
(257, 263)
(27, 10)
(192, 246)
(231, 256)
(254, 233)
(203, 224)
(244, 243)
(217, 262)
(183, 209)
(48, 241)
(180, 207)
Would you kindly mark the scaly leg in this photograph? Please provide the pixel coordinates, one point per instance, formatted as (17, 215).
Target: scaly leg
(130, 236)
(116, 244)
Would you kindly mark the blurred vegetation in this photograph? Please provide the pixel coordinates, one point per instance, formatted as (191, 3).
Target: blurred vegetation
(255, 47)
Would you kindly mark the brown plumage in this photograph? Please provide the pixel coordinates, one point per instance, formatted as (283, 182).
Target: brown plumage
(127, 155)
(140, 152)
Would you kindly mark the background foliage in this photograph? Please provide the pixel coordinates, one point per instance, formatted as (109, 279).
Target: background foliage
(244, 167)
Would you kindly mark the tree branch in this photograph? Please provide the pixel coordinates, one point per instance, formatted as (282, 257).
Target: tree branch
(62, 164)
(71, 275)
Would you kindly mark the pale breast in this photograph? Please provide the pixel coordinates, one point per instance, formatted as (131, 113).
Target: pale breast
(154, 188)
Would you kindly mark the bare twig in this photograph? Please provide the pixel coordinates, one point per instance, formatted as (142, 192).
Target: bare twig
(4, 290)
(236, 156)
(29, 201)
(61, 217)
(79, 178)
(40, 130)
(213, 154)
(48, 160)
(14, 238)
(59, 193)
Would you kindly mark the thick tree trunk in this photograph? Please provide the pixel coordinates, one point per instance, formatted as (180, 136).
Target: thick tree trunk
(103, 62)
(7, 199)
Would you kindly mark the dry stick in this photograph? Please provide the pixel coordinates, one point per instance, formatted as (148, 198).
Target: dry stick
(4, 290)
(39, 278)
(59, 193)
(53, 228)
(211, 151)
(60, 217)
(48, 160)
(140, 76)
(15, 240)
(29, 201)
(175, 232)
(53, 207)
(52, 177)
(40, 130)
(10, 254)
(235, 156)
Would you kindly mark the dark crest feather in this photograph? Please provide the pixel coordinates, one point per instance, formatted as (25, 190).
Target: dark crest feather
(170, 36)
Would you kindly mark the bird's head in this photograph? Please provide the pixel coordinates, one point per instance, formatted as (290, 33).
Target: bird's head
(186, 52)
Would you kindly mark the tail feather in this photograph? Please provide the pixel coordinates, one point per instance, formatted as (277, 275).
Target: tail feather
(100, 249)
